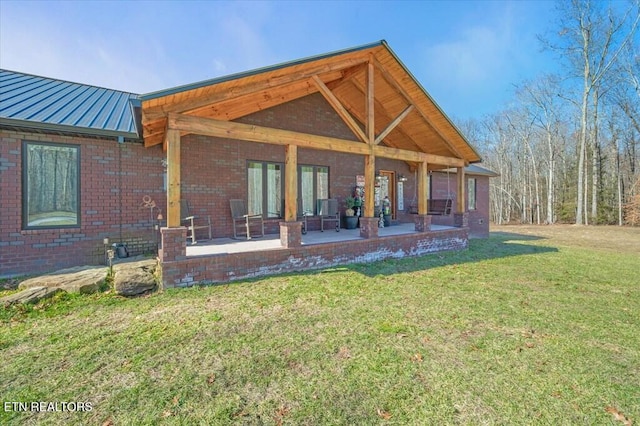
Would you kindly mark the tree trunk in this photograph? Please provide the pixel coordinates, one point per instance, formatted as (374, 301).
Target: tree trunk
(595, 162)
(583, 146)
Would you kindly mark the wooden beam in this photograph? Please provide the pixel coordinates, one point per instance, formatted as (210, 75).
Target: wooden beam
(269, 80)
(337, 106)
(414, 156)
(370, 124)
(392, 81)
(369, 184)
(252, 133)
(173, 178)
(423, 196)
(393, 124)
(154, 139)
(232, 109)
(380, 109)
(291, 183)
(462, 198)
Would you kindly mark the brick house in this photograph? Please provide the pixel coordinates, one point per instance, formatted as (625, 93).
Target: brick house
(83, 167)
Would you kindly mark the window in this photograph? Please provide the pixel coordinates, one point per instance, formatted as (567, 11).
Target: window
(471, 190)
(312, 186)
(265, 187)
(50, 185)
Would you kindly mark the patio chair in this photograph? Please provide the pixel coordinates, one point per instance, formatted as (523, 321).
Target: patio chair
(241, 218)
(303, 216)
(328, 212)
(193, 222)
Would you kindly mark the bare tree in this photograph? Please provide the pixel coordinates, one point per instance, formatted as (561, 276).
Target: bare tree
(591, 38)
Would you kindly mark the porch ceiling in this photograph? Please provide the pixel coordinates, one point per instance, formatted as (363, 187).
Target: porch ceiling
(412, 120)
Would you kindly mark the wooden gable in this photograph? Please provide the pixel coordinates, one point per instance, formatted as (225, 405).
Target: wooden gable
(404, 117)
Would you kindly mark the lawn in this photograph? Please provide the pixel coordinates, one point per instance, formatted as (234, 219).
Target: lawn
(531, 326)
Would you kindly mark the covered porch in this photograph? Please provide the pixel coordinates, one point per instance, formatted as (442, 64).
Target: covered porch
(222, 260)
(272, 241)
(360, 110)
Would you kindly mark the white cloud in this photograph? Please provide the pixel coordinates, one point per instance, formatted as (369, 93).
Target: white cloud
(470, 60)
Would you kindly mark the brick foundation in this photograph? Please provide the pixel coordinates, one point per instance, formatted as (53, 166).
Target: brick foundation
(291, 234)
(461, 220)
(233, 266)
(423, 223)
(174, 244)
(369, 227)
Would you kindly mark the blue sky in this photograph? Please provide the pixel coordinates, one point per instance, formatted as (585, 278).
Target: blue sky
(466, 54)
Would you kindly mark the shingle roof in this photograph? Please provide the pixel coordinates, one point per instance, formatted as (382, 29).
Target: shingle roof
(56, 105)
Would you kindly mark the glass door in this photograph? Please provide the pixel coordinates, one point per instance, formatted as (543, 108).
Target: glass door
(388, 189)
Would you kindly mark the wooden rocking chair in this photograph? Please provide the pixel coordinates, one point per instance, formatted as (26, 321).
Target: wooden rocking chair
(328, 212)
(193, 222)
(241, 218)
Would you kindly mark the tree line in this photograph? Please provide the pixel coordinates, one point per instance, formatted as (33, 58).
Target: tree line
(567, 147)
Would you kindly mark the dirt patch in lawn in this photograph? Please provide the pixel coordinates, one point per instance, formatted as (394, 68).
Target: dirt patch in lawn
(616, 238)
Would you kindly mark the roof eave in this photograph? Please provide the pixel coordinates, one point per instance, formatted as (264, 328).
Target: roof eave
(67, 129)
(386, 45)
(230, 77)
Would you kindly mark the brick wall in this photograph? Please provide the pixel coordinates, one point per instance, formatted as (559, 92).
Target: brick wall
(478, 218)
(214, 170)
(234, 266)
(114, 178)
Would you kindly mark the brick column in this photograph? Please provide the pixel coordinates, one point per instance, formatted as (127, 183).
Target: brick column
(291, 234)
(461, 220)
(423, 223)
(174, 244)
(369, 227)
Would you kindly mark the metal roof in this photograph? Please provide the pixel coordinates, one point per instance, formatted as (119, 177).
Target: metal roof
(55, 105)
(474, 169)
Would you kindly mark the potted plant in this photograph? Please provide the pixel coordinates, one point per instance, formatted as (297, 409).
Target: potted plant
(358, 205)
(350, 219)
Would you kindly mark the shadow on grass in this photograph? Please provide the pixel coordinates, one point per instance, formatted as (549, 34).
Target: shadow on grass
(498, 245)
(505, 236)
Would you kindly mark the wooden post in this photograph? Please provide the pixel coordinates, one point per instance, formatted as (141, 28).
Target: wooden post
(173, 178)
(370, 159)
(369, 184)
(461, 206)
(371, 132)
(291, 183)
(423, 175)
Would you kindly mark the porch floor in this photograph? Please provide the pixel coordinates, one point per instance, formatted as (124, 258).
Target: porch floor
(272, 241)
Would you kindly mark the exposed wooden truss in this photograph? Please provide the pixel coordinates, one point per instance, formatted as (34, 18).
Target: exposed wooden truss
(186, 124)
(370, 91)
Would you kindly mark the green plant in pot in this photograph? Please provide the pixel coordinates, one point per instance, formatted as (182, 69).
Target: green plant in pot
(350, 220)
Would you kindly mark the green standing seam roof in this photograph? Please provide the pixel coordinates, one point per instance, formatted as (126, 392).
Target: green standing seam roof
(31, 101)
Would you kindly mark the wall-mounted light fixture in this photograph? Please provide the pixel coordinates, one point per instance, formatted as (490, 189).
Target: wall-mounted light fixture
(402, 178)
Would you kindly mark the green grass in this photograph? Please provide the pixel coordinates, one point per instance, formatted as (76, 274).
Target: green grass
(515, 330)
